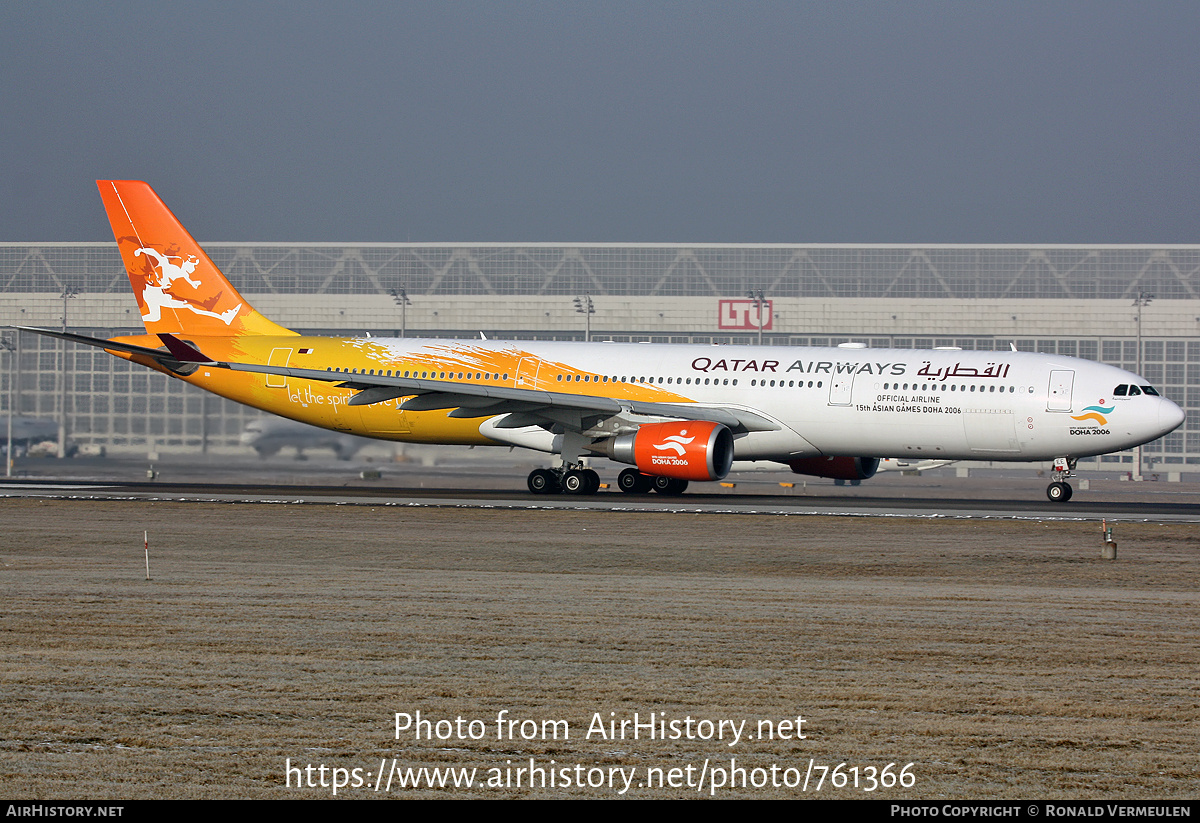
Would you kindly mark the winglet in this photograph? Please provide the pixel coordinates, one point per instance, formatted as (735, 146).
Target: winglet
(182, 351)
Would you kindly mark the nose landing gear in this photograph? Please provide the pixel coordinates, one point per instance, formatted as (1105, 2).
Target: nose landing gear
(1060, 491)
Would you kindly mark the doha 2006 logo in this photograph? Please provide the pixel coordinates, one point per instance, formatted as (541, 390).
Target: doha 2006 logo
(1094, 414)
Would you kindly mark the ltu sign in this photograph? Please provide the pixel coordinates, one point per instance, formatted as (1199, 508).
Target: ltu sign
(743, 315)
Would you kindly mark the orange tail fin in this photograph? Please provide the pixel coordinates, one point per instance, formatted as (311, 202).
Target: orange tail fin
(178, 288)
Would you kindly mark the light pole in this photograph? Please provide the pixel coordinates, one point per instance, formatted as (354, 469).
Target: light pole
(8, 346)
(1142, 299)
(68, 293)
(583, 305)
(757, 296)
(400, 298)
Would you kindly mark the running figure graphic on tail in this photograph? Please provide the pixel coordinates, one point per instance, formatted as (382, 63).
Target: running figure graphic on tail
(157, 293)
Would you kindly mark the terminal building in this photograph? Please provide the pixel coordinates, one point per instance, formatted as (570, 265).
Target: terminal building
(1133, 306)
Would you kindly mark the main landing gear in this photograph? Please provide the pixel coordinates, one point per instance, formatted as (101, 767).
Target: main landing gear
(571, 481)
(577, 480)
(1060, 491)
(633, 481)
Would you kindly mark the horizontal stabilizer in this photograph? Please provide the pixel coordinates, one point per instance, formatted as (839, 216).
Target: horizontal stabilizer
(109, 345)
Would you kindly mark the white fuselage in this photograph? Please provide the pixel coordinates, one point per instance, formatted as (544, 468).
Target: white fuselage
(942, 404)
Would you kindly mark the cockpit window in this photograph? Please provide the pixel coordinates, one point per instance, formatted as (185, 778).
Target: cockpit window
(1126, 390)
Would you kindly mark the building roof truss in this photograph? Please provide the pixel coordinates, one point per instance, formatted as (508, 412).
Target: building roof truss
(570, 257)
(956, 272)
(683, 258)
(376, 274)
(917, 262)
(799, 259)
(460, 258)
(1159, 259)
(34, 259)
(1035, 262)
(245, 256)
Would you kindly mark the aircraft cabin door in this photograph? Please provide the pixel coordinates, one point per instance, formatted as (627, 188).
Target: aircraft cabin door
(1058, 396)
(527, 372)
(840, 388)
(280, 358)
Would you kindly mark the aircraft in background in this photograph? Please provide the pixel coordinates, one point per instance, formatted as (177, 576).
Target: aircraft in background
(32, 436)
(267, 435)
(674, 413)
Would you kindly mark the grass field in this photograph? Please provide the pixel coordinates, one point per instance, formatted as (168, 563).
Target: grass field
(1000, 658)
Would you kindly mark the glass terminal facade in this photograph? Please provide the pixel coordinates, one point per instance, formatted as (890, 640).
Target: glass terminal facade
(1094, 302)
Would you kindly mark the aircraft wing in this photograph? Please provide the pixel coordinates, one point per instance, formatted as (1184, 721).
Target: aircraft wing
(474, 400)
(524, 406)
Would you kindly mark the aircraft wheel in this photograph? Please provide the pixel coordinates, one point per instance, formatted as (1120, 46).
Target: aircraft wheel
(542, 481)
(1058, 492)
(593, 479)
(577, 481)
(669, 485)
(633, 481)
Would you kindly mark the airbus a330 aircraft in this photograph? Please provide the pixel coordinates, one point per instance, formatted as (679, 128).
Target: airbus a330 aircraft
(674, 413)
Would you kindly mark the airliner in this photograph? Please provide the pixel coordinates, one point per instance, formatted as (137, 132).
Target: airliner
(673, 414)
(267, 435)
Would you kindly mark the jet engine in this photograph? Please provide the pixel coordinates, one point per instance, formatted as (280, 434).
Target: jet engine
(837, 468)
(684, 449)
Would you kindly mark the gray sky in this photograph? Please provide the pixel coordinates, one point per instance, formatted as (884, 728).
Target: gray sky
(987, 122)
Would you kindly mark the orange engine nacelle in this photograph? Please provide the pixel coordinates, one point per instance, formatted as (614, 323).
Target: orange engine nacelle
(836, 468)
(684, 450)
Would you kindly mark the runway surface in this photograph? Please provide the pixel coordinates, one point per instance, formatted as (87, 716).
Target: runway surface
(944, 495)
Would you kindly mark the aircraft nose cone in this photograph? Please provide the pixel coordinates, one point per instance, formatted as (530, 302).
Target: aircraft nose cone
(1170, 416)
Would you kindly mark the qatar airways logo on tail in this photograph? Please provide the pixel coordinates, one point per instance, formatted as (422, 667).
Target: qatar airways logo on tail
(158, 294)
